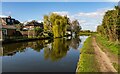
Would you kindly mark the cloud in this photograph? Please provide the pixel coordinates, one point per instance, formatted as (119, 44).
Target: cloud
(87, 20)
(90, 20)
(62, 13)
(72, 17)
(82, 21)
(3, 16)
(40, 21)
(92, 14)
(98, 13)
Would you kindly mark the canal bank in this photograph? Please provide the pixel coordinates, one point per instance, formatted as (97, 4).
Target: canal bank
(111, 49)
(87, 58)
(24, 40)
(93, 58)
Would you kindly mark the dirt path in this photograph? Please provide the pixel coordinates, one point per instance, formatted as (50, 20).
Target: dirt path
(113, 58)
(103, 60)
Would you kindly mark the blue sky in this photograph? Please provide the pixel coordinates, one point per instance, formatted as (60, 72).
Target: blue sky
(88, 13)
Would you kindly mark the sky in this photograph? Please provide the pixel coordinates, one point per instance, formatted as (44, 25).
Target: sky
(89, 14)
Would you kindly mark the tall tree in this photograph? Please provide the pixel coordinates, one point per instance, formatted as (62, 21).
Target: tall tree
(59, 24)
(110, 27)
(76, 26)
(47, 24)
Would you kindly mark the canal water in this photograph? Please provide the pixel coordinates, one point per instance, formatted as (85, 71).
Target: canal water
(57, 55)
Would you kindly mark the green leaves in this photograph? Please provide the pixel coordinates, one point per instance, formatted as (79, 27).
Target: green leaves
(57, 24)
(38, 31)
(76, 26)
(110, 27)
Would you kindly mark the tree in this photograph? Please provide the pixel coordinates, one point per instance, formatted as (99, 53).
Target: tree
(38, 31)
(110, 27)
(55, 23)
(47, 25)
(76, 26)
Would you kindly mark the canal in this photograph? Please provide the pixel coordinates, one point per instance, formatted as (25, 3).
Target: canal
(57, 55)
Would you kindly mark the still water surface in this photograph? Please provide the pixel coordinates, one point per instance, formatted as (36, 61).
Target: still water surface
(58, 55)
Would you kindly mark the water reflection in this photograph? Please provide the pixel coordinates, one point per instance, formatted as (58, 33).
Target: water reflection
(57, 51)
(53, 49)
(57, 55)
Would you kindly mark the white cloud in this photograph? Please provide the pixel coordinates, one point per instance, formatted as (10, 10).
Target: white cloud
(95, 14)
(87, 20)
(91, 14)
(98, 13)
(3, 16)
(72, 17)
(90, 20)
(40, 21)
(82, 21)
(62, 13)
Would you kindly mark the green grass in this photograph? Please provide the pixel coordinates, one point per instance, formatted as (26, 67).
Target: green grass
(87, 61)
(87, 33)
(111, 46)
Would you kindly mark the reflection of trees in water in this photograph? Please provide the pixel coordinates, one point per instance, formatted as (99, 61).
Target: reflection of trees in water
(53, 50)
(11, 49)
(75, 41)
(1, 51)
(37, 45)
(59, 48)
(57, 51)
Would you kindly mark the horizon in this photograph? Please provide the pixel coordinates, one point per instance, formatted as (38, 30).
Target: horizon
(89, 14)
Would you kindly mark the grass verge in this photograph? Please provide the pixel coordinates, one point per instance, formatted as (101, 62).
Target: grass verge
(112, 46)
(86, 33)
(87, 62)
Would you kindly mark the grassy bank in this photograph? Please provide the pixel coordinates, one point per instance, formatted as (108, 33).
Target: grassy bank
(87, 62)
(111, 47)
(86, 34)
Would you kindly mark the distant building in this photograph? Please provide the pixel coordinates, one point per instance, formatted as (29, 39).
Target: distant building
(33, 24)
(28, 29)
(7, 26)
